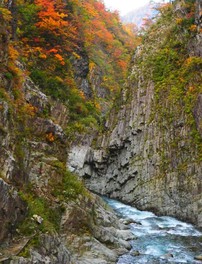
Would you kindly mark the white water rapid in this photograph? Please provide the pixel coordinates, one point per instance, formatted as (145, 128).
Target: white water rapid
(158, 239)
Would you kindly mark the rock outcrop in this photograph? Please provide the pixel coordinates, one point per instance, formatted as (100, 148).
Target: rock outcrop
(12, 210)
(33, 191)
(198, 113)
(149, 155)
(37, 160)
(103, 241)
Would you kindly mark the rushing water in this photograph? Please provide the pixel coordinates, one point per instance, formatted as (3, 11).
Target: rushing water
(159, 239)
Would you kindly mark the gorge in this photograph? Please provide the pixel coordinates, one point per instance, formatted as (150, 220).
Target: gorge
(150, 156)
(80, 117)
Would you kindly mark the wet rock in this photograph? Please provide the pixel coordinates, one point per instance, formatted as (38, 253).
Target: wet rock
(168, 255)
(129, 221)
(92, 261)
(124, 244)
(198, 258)
(125, 234)
(135, 253)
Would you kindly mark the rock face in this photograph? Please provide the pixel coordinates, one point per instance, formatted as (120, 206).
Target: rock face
(23, 159)
(104, 240)
(90, 80)
(147, 157)
(141, 159)
(12, 209)
(198, 113)
(199, 14)
(33, 154)
(4, 37)
(35, 160)
(129, 166)
(52, 251)
(105, 237)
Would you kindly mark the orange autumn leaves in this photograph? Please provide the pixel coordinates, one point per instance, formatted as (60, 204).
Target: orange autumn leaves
(50, 19)
(62, 26)
(103, 29)
(56, 33)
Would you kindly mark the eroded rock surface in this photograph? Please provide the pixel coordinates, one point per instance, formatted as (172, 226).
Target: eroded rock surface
(149, 155)
(34, 153)
(12, 210)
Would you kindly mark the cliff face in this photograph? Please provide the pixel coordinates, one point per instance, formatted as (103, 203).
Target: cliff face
(46, 214)
(10, 201)
(150, 154)
(42, 205)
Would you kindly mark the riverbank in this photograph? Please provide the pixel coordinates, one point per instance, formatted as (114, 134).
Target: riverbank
(158, 239)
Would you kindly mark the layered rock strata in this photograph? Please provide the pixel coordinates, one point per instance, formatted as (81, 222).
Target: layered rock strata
(149, 155)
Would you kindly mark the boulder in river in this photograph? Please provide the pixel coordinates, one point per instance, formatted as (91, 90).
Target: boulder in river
(168, 255)
(199, 257)
(135, 253)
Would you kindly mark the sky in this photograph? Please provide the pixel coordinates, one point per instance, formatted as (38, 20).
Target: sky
(125, 6)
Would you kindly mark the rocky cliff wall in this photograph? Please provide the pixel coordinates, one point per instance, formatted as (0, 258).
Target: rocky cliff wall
(12, 208)
(150, 154)
(35, 200)
(46, 214)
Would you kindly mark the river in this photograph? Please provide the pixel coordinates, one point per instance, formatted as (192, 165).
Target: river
(158, 239)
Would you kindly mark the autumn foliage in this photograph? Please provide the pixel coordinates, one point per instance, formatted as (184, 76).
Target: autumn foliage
(59, 28)
(54, 36)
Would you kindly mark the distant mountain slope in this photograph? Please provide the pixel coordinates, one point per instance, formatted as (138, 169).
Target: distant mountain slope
(136, 16)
